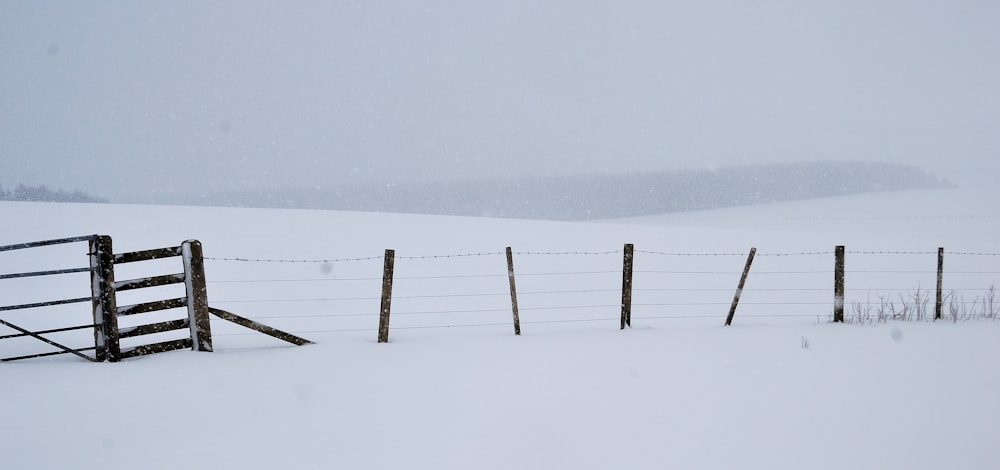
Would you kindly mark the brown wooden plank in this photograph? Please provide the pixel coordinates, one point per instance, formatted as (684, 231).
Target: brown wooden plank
(197, 292)
(105, 304)
(627, 286)
(152, 306)
(153, 328)
(939, 299)
(154, 281)
(739, 288)
(154, 348)
(267, 330)
(147, 255)
(384, 311)
(838, 284)
(513, 291)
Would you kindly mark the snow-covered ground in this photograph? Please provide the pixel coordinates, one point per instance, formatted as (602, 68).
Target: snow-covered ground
(454, 388)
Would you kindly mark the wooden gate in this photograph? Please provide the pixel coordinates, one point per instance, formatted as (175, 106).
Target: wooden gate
(106, 313)
(52, 336)
(195, 302)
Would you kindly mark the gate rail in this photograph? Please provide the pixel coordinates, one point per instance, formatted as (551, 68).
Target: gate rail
(104, 288)
(97, 324)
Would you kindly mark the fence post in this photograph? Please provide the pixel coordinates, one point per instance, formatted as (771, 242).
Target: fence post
(513, 291)
(627, 287)
(102, 285)
(939, 302)
(383, 318)
(197, 296)
(739, 289)
(838, 285)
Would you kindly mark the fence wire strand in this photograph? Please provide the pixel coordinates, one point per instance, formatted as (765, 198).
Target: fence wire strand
(653, 309)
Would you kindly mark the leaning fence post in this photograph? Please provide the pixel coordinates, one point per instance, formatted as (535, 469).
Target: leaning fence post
(627, 287)
(197, 296)
(102, 277)
(383, 318)
(939, 302)
(838, 285)
(513, 291)
(739, 289)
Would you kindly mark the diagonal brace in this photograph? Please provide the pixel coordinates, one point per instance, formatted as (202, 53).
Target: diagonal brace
(46, 340)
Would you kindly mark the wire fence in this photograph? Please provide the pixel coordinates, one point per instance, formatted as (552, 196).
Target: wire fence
(331, 297)
(471, 290)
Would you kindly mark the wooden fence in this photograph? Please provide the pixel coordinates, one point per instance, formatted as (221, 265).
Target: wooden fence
(106, 313)
(108, 335)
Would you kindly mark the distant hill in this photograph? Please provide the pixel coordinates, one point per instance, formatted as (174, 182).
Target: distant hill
(44, 194)
(606, 196)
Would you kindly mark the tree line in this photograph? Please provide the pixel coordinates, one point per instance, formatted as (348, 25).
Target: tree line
(43, 194)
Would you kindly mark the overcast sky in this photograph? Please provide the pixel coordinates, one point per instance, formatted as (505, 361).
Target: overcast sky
(120, 96)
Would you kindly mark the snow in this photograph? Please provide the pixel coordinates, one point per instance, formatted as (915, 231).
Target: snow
(454, 388)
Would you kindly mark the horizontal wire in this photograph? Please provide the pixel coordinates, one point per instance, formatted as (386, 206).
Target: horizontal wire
(567, 253)
(263, 260)
(684, 272)
(566, 273)
(804, 253)
(688, 254)
(891, 252)
(694, 304)
(462, 255)
(230, 281)
(458, 276)
(324, 315)
(565, 307)
(579, 291)
(586, 253)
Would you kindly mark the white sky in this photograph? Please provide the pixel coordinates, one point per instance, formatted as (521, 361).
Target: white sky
(121, 96)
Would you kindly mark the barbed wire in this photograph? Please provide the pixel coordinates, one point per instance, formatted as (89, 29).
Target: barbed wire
(292, 261)
(802, 253)
(582, 253)
(891, 252)
(460, 255)
(745, 291)
(664, 253)
(328, 279)
(683, 272)
(568, 253)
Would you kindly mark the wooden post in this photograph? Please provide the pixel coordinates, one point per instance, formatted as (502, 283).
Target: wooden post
(838, 285)
(513, 291)
(197, 296)
(739, 289)
(627, 287)
(383, 318)
(102, 285)
(939, 302)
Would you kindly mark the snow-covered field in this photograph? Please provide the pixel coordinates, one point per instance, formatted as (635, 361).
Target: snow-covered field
(454, 388)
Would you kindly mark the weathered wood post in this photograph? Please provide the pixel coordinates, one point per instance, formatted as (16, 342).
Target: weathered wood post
(513, 291)
(383, 318)
(102, 286)
(838, 285)
(197, 296)
(939, 301)
(739, 288)
(627, 287)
